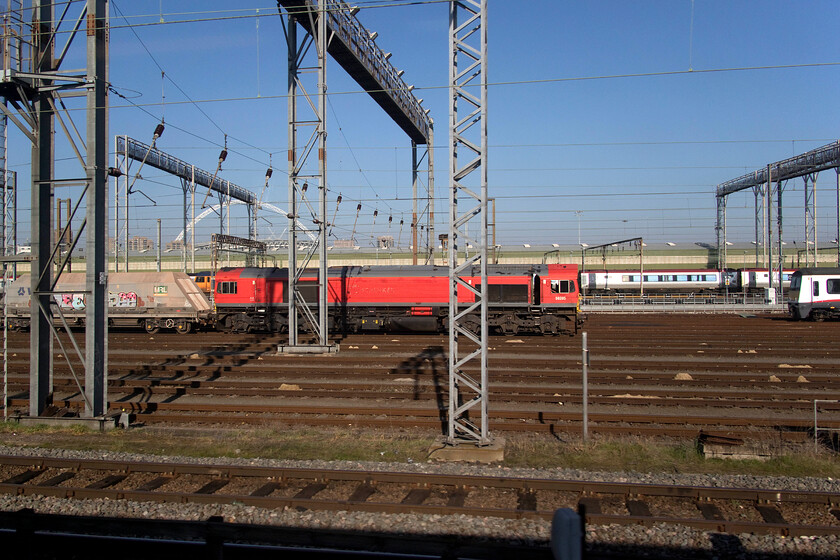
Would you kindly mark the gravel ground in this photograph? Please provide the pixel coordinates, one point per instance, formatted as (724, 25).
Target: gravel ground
(663, 541)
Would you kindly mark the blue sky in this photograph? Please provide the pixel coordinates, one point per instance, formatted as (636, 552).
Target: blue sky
(578, 140)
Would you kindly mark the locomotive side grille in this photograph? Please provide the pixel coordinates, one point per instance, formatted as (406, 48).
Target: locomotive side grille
(507, 293)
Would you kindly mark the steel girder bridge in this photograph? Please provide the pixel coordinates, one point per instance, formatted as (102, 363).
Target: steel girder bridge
(768, 185)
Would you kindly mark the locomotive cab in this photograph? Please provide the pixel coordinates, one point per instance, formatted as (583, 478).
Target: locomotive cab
(814, 293)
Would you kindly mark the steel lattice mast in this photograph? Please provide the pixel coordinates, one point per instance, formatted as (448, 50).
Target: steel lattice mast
(332, 29)
(36, 87)
(468, 179)
(307, 135)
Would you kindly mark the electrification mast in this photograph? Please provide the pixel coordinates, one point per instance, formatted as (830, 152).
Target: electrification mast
(333, 29)
(468, 179)
(36, 88)
(300, 173)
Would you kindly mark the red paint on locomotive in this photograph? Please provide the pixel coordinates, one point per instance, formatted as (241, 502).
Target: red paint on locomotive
(535, 297)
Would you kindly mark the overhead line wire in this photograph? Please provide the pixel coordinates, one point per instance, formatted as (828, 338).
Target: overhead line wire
(540, 81)
(191, 101)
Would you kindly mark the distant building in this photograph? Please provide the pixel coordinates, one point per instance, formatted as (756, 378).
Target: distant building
(343, 243)
(140, 244)
(175, 245)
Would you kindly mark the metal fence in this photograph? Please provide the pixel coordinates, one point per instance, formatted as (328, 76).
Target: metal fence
(679, 303)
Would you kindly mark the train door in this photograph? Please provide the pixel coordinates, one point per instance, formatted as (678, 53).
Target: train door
(535, 289)
(258, 291)
(796, 288)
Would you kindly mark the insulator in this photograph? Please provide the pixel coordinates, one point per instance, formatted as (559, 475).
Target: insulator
(222, 156)
(375, 213)
(359, 207)
(390, 219)
(159, 131)
(401, 222)
(304, 187)
(338, 200)
(268, 173)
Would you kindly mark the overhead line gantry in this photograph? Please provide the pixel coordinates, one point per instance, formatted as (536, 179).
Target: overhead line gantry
(767, 182)
(332, 29)
(191, 176)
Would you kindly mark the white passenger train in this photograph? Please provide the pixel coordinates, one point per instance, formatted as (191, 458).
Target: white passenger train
(814, 293)
(630, 281)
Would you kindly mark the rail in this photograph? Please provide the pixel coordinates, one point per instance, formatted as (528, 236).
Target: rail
(319, 489)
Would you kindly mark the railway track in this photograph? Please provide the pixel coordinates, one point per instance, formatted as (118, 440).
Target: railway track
(727, 510)
(748, 376)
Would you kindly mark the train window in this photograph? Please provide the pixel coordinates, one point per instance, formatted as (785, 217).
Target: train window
(795, 282)
(832, 286)
(562, 286)
(816, 288)
(227, 288)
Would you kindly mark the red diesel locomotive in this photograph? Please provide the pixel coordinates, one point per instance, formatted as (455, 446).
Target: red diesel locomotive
(541, 298)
